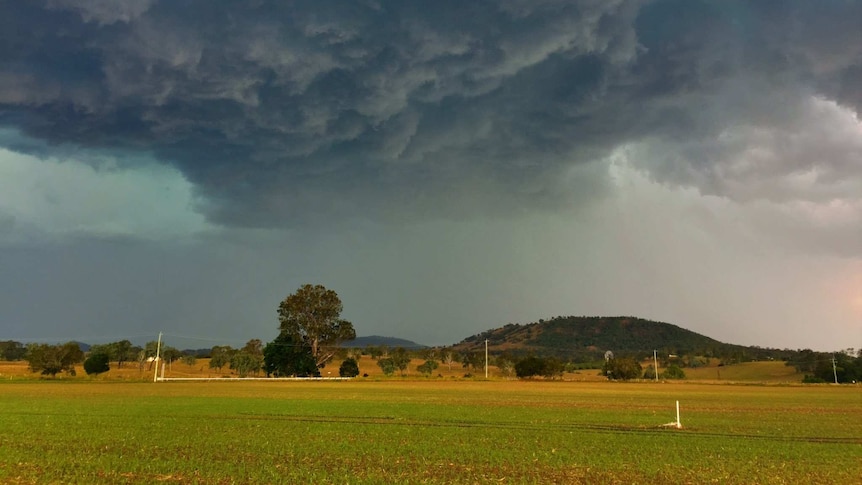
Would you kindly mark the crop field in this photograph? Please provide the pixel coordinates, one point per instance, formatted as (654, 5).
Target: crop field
(426, 431)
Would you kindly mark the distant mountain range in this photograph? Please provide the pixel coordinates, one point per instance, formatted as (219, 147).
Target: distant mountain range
(377, 340)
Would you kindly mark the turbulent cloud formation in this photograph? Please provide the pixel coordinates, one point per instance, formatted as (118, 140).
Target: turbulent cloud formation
(281, 116)
(282, 112)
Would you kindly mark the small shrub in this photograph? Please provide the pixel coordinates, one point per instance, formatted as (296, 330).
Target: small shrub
(96, 364)
(428, 367)
(349, 368)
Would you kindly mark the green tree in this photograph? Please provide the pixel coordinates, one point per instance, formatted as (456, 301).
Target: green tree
(97, 363)
(673, 372)
(354, 353)
(52, 359)
(530, 366)
(249, 359)
(623, 369)
(288, 356)
(474, 360)
(401, 358)
(253, 347)
(189, 359)
(12, 350)
(449, 357)
(506, 366)
(349, 368)
(374, 351)
(220, 356)
(313, 313)
(553, 368)
(245, 363)
(122, 352)
(387, 365)
(428, 367)
(170, 354)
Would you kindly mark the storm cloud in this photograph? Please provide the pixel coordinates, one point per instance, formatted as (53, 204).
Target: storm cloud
(281, 112)
(378, 115)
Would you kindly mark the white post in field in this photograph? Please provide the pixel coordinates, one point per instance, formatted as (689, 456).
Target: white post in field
(655, 365)
(678, 424)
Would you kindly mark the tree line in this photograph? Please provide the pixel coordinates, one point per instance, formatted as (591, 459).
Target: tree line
(311, 333)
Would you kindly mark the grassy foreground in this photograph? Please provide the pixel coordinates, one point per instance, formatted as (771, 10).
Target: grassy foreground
(426, 432)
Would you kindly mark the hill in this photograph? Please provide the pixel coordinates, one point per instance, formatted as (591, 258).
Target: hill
(582, 339)
(377, 340)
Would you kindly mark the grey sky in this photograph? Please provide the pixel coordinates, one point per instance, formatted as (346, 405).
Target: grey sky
(446, 167)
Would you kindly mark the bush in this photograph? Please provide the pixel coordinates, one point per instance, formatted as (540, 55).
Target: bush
(529, 367)
(428, 367)
(622, 369)
(387, 365)
(673, 372)
(96, 364)
(349, 368)
(649, 373)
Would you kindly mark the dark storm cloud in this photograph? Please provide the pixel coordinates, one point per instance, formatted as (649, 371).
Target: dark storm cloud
(280, 112)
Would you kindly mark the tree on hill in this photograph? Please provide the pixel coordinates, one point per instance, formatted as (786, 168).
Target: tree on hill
(313, 314)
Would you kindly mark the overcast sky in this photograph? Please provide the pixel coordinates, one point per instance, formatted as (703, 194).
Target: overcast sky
(445, 167)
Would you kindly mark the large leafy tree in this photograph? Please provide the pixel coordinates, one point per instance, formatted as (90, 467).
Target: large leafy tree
(122, 352)
(53, 359)
(286, 356)
(313, 314)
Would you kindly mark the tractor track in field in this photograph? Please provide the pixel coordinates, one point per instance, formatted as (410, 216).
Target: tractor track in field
(598, 428)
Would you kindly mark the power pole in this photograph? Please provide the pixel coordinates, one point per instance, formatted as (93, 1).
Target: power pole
(655, 365)
(156, 362)
(834, 370)
(486, 358)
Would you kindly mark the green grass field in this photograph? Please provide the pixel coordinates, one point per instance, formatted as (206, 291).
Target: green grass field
(433, 431)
